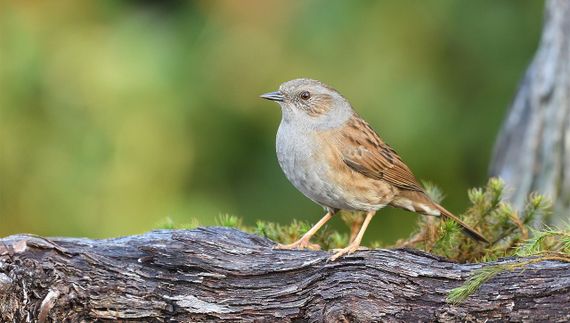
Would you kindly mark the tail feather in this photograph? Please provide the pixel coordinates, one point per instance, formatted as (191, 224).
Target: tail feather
(419, 202)
(467, 229)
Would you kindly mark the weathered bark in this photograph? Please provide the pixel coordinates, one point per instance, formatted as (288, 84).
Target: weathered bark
(214, 274)
(532, 153)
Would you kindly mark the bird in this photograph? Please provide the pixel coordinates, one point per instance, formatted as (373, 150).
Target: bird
(334, 157)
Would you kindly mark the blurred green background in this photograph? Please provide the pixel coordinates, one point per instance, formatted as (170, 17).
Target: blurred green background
(117, 114)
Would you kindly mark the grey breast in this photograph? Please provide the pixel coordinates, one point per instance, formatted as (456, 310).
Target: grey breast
(296, 153)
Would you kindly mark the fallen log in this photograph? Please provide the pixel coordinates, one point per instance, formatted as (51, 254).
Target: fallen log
(222, 274)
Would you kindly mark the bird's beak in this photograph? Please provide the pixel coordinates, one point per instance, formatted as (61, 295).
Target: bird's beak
(273, 96)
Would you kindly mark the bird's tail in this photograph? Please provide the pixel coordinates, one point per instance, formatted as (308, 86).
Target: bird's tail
(467, 229)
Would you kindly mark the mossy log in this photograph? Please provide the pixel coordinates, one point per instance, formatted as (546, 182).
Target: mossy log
(221, 274)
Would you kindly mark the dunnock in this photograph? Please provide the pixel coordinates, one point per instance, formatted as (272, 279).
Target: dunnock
(334, 158)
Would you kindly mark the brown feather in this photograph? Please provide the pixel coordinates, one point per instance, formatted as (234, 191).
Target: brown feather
(374, 158)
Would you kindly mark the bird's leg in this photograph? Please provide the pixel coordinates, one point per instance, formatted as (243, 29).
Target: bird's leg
(304, 242)
(353, 246)
(355, 226)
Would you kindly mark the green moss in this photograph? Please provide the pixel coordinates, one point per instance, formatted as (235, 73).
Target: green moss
(168, 223)
(230, 221)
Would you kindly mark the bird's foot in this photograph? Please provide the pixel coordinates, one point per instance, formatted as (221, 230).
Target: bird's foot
(346, 251)
(298, 245)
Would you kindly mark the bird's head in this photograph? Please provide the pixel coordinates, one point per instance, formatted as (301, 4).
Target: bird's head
(311, 104)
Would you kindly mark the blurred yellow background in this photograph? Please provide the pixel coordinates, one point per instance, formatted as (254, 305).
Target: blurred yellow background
(117, 114)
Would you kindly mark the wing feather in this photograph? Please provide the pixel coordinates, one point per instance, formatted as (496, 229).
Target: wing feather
(364, 152)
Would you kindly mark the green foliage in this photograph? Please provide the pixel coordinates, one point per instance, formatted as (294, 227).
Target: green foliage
(490, 215)
(479, 277)
(472, 284)
(546, 242)
(168, 223)
(281, 233)
(448, 233)
(230, 221)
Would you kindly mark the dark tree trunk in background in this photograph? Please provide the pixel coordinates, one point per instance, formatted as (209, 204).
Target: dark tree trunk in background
(220, 274)
(532, 153)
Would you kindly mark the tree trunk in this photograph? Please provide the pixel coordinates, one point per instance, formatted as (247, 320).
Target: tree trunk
(221, 274)
(532, 153)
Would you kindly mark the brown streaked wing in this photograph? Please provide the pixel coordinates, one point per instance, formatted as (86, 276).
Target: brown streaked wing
(364, 152)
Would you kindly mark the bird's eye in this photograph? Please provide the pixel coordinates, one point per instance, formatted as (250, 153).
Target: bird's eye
(305, 95)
